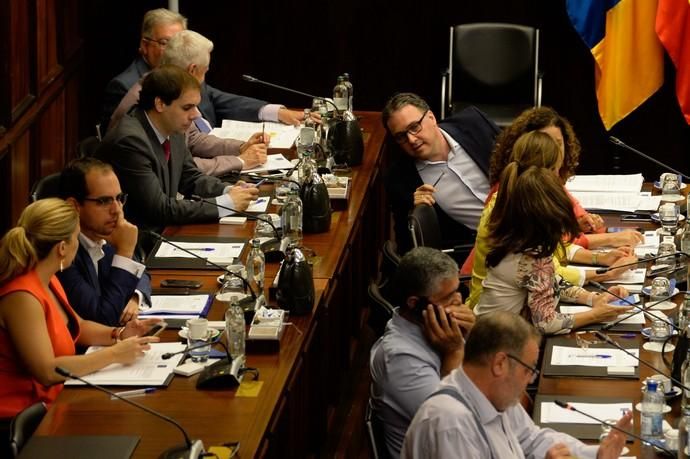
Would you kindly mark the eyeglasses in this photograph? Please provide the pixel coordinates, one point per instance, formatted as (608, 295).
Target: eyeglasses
(535, 371)
(107, 201)
(414, 129)
(162, 42)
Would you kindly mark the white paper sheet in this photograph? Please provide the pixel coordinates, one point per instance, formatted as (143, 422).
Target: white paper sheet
(260, 205)
(217, 252)
(593, 357)
(623, 202)
(630, 183)
(634, 319)
(282, 135)
(552, 413)
(150, 370)
(176, 304)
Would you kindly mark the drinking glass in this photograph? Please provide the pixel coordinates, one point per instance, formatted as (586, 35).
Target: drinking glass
(670, 183)
(659, 330)
(659, 290)
(668, 217)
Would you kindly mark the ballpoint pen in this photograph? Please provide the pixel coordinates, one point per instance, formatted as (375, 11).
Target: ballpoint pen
(201, 249)
(133, 393)
(594, 356)
(439, 178)
(263, 132)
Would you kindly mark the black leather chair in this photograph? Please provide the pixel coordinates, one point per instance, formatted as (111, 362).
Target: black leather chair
(375, 433)
(24, 425)
(494, 66)
(381, 309)
(46, 187)
(88, 146)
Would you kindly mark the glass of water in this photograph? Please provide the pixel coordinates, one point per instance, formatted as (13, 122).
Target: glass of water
(659, 330)
(669, 214)
(670, 183)
(660, 289)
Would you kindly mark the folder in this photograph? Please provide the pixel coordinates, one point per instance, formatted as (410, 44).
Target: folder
(153, 262)
(586, 371)
(80, 447)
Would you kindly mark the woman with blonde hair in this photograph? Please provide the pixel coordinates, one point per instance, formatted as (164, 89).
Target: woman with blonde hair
(38, 329)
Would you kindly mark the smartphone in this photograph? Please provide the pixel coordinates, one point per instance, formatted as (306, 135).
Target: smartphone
(156, 329)
(636, 218)
(422, 303)
(618, 229)
(180, 283)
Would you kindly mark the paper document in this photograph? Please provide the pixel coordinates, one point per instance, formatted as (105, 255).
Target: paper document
(260, 205)
(176, 304)
(216, 252)
(630, 183)
(634, 319)
(552, 413)
(593, 357)
(632, 276)
(623, 202)
(149, 370)
(282, 135)
(273, 162)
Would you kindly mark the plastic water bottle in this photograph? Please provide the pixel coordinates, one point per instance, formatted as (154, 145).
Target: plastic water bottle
(291, 218)
(683, 437)
(652, 416)
(256, 265)
(685, 379)
(350, 91)
(235, 328)
(684, 314)
(341, 98)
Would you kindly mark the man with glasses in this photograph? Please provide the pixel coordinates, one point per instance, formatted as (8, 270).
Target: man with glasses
(422, 342)
(476, 411)
(442, 164)
(104, 284)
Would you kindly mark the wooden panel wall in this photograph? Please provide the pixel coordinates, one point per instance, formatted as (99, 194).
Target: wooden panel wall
(40, 46)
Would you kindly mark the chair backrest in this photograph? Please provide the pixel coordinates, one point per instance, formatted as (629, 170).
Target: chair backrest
(88, 146)
(424, 227)
(390, 259)
(24, 425)
(46, 187)
(381, 309)
(375, 433)
(494, 66)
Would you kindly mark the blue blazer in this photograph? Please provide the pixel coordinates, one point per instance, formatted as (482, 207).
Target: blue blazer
(101, 297)
(215, 104)
(476, 134)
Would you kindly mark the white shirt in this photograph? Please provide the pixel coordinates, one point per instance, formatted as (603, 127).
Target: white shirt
(462, 190)
(446, 428)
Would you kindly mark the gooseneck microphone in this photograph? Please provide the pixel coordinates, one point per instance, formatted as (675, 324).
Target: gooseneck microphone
(641, 260)
(191, 449)
(570, 407)
(608, 339)
(245, 282)
(188, 348)
(252, 79)
(620, 143)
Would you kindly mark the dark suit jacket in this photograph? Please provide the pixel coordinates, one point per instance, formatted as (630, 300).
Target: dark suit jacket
(215, 105)
(101, 297)
(476, 134)
(152, 184)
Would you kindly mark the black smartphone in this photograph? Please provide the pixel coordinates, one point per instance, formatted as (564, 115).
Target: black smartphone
(636, 218)
(180, 283)
(156, 329)
(422, 303)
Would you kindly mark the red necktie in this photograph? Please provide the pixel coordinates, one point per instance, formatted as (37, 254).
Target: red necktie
(166, 149)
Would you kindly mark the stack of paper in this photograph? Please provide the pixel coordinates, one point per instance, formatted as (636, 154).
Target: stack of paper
(178, 306)
(609, 192)
(552, 413)
(282, 135)
(215, 252)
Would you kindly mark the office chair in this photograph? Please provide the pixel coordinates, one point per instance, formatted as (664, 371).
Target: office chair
(24, 425)
(46, 187)
(494, 66)
(88, 146)
(375, 433)
(381, 309)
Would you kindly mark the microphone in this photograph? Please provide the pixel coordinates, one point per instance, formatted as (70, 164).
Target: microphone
(656, 444)
(345, 136)
(191, 449)
(252, 79)
(620, 143)
(271, 248)
(246, 283)
(168, 355)
(641, 260)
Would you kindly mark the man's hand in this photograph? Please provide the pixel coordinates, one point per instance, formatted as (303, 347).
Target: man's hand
(442, 331)
(424, 195)
(124, 237)
(612, 445)
(131, 311)
(242, 194)
(295, 117)
(253, 151)
(558, 451)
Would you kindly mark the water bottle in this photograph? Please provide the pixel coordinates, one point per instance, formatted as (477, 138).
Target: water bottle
(652, 416)
(684, 314)
(308, 121)
(291, 218)
(235, 328)
(685, 379)
(350, 90)
(340, 95)
(305, 141)
(683, 437)
(256, 265)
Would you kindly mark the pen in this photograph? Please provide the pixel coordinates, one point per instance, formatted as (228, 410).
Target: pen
(201, 249)
(439, 178)
(133, 393)
(260, 200)
(260, 182)
(263, 132)
(595, 356)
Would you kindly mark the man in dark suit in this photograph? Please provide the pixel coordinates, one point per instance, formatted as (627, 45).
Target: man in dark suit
(157, 29)
(104, 283)
(148, 152)
(444, 165)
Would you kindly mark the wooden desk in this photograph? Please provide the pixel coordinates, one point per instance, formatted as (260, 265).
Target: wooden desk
(301, 383)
